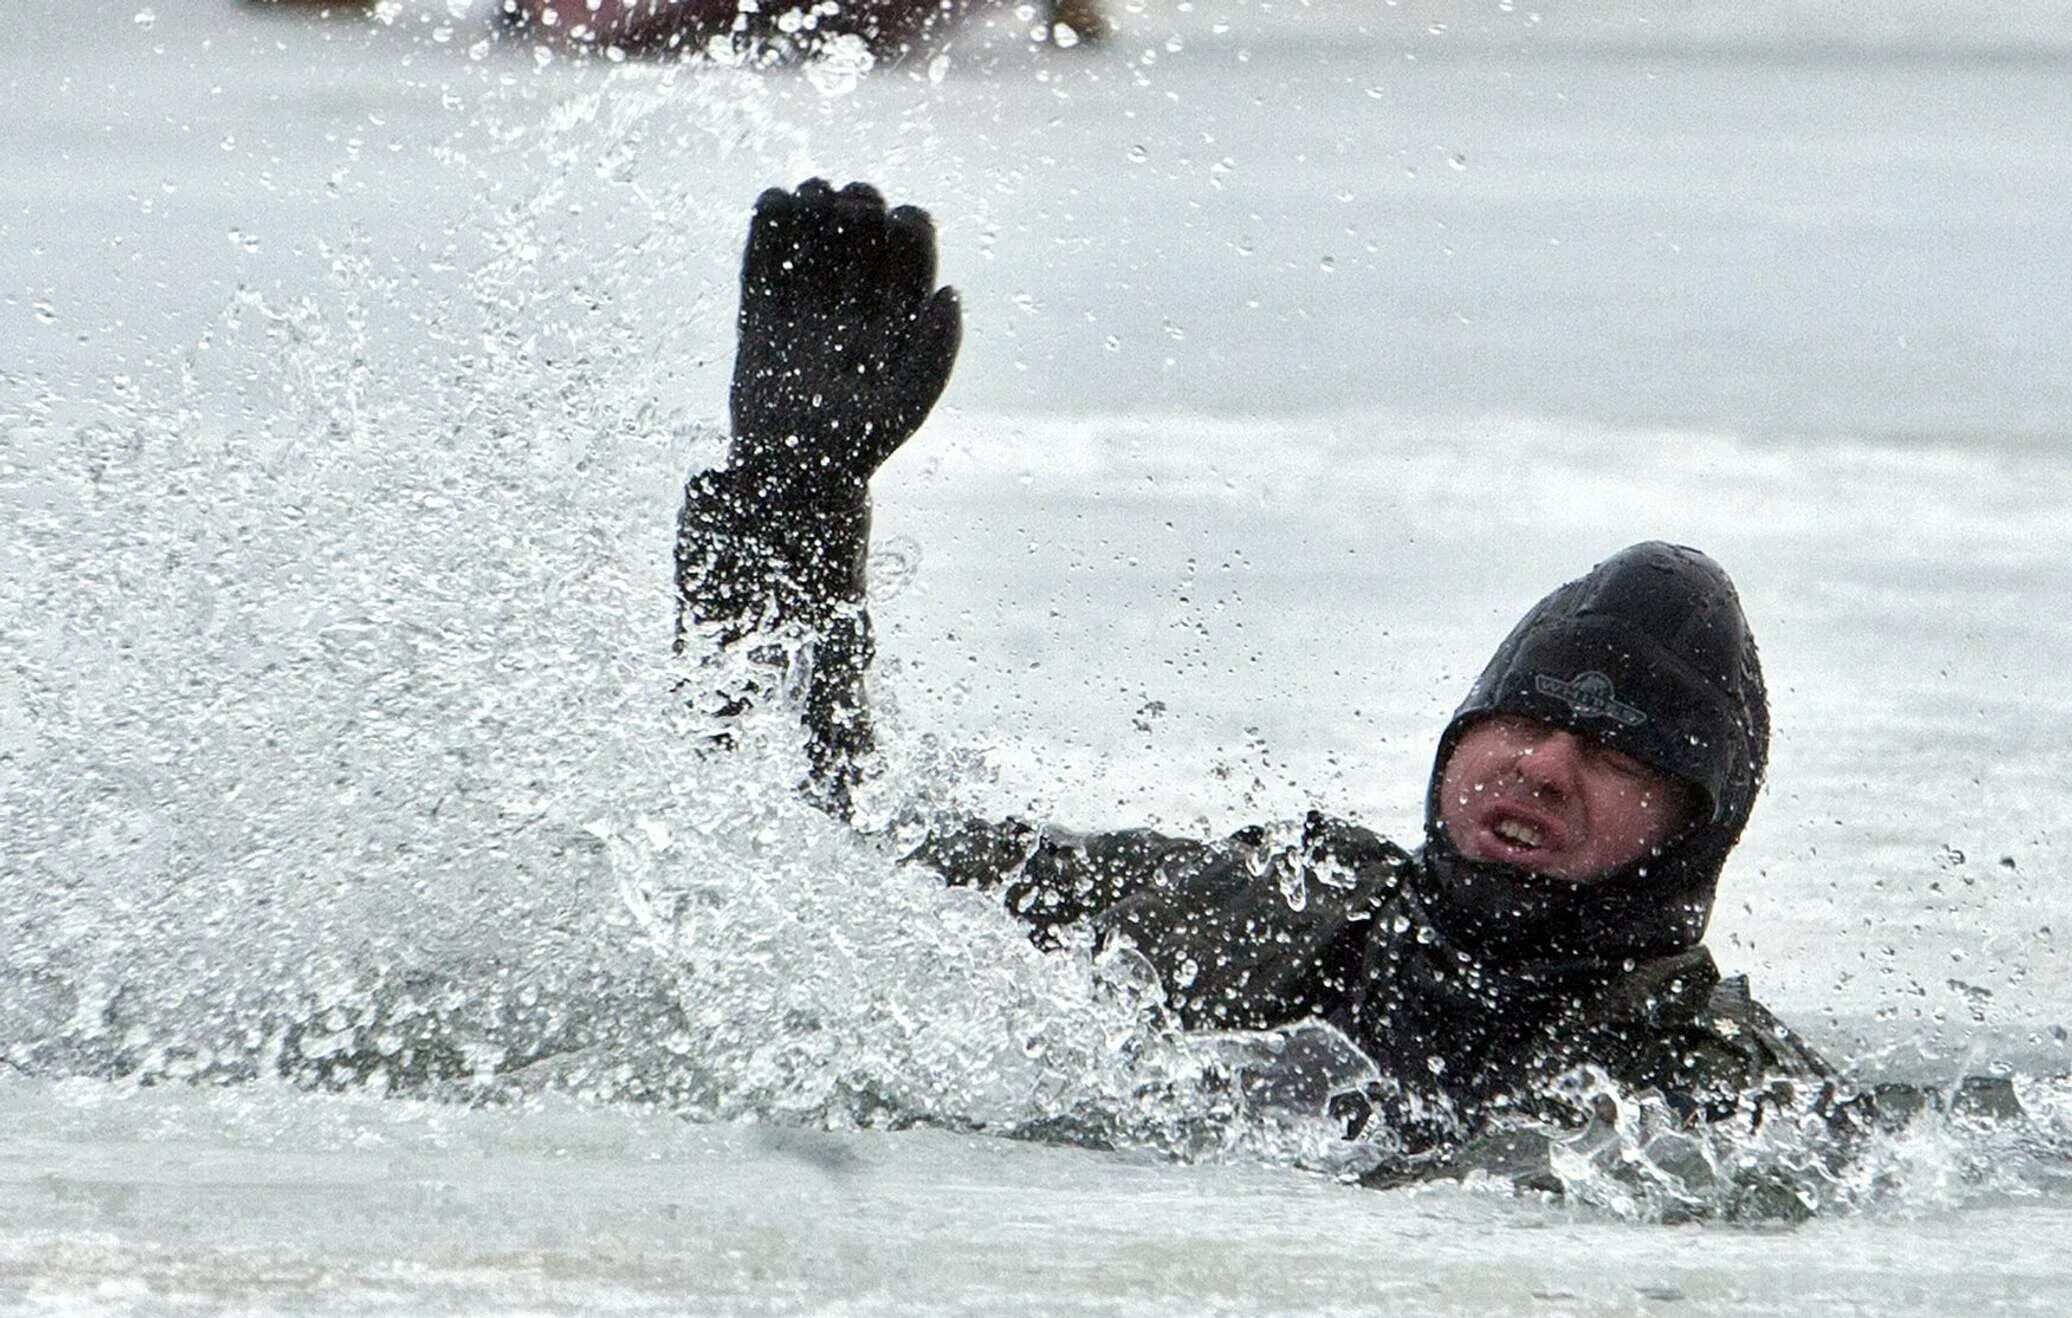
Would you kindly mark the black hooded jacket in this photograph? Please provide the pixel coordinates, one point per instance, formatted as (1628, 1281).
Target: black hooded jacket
(1470, 985)
(1648, 654)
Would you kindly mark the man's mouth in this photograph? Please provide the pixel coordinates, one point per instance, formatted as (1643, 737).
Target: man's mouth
(1513, 832)
(1518, 833)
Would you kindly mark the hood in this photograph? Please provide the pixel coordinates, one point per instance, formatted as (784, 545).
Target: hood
(1650, 654)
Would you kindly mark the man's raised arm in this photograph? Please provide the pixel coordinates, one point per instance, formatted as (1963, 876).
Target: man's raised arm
(845, 343)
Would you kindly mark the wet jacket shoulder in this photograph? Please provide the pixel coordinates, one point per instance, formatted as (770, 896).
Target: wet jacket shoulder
(1675, 1025)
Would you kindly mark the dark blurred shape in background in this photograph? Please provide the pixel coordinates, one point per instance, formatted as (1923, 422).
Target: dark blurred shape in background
(891, 28)
(320, 7)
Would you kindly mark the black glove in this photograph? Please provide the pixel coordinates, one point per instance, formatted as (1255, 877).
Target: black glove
(845, 341)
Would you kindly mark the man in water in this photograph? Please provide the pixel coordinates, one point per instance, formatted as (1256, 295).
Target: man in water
(1583, 799)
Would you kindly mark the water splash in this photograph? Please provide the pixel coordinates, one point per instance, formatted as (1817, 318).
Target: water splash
(341, 728)
(1632, 1157)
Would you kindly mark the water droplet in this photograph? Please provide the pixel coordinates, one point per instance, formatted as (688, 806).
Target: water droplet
(938, 68)
(1138, 155)
(1458, 161)
(145, 17)
(841, 64)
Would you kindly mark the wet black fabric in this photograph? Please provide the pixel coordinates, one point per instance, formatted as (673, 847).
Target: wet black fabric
(784, 579)
(1648, 653)
(845, 341)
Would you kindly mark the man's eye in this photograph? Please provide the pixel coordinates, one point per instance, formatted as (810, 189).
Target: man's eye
(1624, 765)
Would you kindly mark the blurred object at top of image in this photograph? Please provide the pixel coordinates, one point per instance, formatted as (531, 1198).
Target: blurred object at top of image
(322, 8)
(777, 28)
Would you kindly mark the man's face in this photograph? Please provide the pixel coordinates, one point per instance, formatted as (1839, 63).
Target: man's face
(1522, 793)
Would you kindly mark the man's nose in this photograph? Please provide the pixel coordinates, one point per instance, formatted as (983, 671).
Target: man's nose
(1553, 762)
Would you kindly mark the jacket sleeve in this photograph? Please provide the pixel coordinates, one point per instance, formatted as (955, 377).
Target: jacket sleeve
(1051, 878)
(770, 599)
(1260, 929)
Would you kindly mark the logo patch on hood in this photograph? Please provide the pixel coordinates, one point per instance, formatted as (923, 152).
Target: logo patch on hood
(1591, 695)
